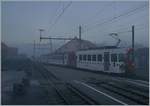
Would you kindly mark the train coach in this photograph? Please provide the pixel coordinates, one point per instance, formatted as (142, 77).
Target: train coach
(106, 59)
(109, 59)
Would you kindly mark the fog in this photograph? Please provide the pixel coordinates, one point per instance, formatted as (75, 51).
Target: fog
(21, 21)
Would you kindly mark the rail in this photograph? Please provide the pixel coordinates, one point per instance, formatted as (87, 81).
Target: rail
(68, 93)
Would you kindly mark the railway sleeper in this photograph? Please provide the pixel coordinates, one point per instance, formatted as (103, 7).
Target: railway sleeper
(126, 94)
(62, 96)
(82, 95)
(129, 85)
(52, 96)
(133, 91)
(71, 95)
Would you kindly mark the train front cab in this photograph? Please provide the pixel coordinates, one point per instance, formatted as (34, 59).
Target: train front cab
(114, 61)
(119, 61)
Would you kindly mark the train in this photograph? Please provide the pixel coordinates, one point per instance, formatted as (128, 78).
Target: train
(108, 59)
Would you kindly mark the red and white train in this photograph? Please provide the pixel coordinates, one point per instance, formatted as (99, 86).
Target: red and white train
(108, 59)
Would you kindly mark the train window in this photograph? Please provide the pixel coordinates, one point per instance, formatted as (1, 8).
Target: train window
(114, 57)
(89, 57)
(106, 57)
(121, 57)
(99, 57)
(84, 57)
(80, 57)
(93, 57)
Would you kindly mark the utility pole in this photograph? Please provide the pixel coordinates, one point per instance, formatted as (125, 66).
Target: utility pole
(51, 46)
(34, 50)
(80, 36)
(80, 32)
(41, 30)
(133, 42)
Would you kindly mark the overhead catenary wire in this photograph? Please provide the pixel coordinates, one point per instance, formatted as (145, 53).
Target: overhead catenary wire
(137, 28)
(59, 16)
(98, 12)
(129, 31)
(57, 19)
(114, 18)
(126, 28)
(132, 13)
(51, 21)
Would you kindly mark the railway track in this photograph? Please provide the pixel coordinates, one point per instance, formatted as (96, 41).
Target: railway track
(68, 94)
(135, 95)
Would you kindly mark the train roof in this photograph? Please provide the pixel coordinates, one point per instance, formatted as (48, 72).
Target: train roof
(101, 48)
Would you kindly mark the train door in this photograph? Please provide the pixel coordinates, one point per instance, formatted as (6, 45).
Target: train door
(106, 61)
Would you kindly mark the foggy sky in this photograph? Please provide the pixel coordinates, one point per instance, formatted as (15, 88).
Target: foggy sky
(21, 20)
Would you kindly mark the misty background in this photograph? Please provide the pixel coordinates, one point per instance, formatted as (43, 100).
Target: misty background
(21, 21)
